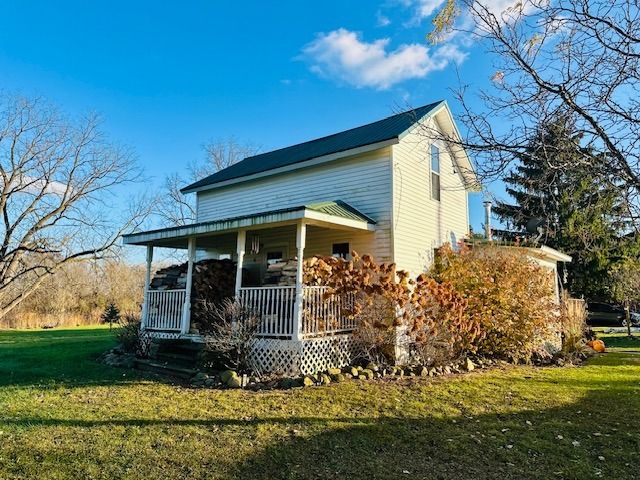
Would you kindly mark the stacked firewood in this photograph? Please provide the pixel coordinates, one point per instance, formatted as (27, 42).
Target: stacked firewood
(281, 273)
(213, 281)
(170, 278)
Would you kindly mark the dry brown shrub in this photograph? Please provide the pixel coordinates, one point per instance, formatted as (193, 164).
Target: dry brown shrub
(509, 296)
(387, 298)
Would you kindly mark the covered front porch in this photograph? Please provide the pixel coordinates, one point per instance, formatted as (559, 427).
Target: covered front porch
(260, 245)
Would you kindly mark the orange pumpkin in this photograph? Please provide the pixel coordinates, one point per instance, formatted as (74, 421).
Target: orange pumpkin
(597, 345)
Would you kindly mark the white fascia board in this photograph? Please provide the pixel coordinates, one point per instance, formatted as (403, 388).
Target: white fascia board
(258, 222)
(297, 166)
(555, 254)
(216, 226)
(349, 223)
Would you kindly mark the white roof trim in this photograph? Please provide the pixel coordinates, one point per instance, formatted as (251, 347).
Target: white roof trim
(552, 254)
(463, 162)
(266, 220)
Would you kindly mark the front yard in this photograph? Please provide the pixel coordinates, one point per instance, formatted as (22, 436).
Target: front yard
(64, 416)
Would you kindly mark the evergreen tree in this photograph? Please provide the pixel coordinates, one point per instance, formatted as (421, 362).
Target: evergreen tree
(111, 314)
(562, 187)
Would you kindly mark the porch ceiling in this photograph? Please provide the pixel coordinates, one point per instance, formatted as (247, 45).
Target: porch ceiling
(332, 214)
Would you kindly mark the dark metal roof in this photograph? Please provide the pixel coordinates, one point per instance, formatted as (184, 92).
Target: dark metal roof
(385, 129)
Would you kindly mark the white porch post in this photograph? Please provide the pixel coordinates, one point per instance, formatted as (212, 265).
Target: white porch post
(301, 239)
(240, 248)
(147, 282)
(186, 312)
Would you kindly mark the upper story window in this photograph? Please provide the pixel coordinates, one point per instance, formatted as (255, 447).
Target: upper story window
(435, 172)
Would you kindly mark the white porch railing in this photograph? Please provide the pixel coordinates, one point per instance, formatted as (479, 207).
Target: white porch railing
(274, 305)
(164, 309)
(322, 316)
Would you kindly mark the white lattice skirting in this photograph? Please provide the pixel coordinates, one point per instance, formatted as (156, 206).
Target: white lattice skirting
(312, 355)
(163, 335)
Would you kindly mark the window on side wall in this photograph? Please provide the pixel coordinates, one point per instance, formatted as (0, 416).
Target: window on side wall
(341, 250)
(435, 173)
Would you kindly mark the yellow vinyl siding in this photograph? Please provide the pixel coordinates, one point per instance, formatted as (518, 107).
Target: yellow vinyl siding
(363, 181)
(420, 223)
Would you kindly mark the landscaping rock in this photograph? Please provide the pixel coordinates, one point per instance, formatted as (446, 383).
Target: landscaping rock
(366, 373)
(353, 371)
(432, 372)
(227, 375)
(447, 370)
(307, 381)
(469, 365)
(373, 367)
(199, 377)
(325, 379)
(423, 372)
(234, 382)
(334, 371)
(210, 382)
(338, 377)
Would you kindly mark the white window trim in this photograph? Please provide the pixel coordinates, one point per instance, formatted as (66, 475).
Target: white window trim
(438, 145)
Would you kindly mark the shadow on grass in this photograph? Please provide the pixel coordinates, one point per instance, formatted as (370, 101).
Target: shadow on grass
(500, 446)
(58, 356)
(537, 443)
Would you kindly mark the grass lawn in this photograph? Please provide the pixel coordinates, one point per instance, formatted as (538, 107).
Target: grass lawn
(620, 342)
(64, 416)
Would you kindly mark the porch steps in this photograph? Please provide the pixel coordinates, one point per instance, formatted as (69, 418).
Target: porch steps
(172, 358)
(164, 369)
(177, 359)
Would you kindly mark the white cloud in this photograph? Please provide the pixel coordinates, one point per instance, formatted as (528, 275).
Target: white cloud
(423, 9)
(341, 55)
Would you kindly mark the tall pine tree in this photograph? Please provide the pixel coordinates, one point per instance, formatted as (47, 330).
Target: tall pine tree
(563, 188)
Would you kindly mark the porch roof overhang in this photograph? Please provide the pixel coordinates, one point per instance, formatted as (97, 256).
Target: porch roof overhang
(333, 214)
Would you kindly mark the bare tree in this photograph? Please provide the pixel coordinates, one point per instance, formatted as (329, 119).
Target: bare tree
(175, 208)
(61, 189)
(552, 57)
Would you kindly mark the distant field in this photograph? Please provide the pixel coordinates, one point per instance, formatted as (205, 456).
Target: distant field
(63, 416)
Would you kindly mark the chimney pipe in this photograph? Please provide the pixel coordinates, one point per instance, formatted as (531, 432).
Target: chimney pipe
(487, 219)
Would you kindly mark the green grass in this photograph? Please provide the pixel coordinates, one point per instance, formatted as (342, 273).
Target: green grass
(621, 342)
(64, 416)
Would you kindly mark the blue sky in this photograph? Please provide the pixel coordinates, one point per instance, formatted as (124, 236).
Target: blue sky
(168, 76)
